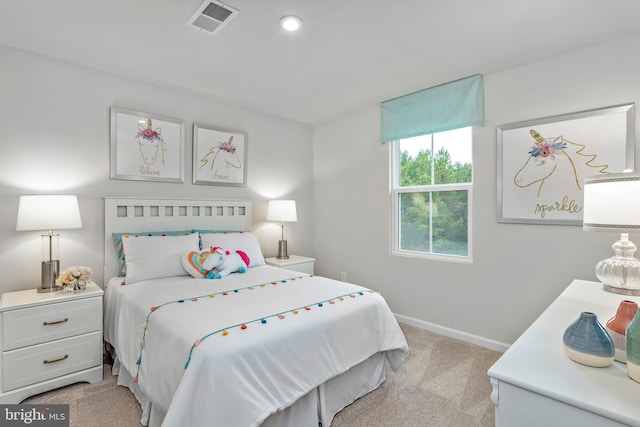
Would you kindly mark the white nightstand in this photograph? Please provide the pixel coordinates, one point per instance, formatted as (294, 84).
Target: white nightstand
(49, 340)
(298, 263)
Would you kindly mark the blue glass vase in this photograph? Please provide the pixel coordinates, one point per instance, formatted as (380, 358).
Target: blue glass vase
(633, 348)
(587, 342)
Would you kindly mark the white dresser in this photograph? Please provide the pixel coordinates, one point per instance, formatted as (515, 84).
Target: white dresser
(49, 340)
(536, 384)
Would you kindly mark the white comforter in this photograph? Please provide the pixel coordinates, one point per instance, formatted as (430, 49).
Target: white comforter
(265, 339)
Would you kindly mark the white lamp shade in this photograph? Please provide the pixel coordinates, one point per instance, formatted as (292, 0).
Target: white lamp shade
(612, 202)
(48, 212)
(282, 210)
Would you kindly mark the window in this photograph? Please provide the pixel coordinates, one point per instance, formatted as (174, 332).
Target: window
(431, 188)
(430, 135)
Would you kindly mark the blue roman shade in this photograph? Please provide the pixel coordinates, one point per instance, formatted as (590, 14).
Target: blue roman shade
(448, 106)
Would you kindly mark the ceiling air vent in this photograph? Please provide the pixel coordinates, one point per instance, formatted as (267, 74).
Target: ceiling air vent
(211, 16)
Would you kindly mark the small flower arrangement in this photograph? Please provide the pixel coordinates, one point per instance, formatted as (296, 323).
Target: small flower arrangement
(74, 278)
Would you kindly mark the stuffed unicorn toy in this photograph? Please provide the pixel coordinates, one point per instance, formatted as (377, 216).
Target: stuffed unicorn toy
(221, 263)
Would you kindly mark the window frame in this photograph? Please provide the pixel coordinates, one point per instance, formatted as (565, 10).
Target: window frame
(396, 190)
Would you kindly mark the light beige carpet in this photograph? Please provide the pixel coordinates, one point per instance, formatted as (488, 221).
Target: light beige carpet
(96, 405)
(442, 383)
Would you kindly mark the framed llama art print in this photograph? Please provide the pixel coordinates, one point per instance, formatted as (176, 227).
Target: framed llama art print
(542, 163)
(219, 156)
(146, 147)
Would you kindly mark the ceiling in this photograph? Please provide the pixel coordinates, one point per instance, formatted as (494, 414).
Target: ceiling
(349, 54)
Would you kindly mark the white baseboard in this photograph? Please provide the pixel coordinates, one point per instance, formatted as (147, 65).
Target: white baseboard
(453, 333)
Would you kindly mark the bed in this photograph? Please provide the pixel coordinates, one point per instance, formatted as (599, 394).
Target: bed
(269, 347)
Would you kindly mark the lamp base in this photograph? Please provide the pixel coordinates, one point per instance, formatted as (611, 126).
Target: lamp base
(621, 291)
(50, 271)
(620, 274)
(282, 250)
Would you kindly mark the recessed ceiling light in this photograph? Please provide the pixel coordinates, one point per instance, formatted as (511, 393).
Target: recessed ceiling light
(290, 23)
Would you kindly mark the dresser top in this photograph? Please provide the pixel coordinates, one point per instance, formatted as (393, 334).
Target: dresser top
(31, 297)
(537, 360)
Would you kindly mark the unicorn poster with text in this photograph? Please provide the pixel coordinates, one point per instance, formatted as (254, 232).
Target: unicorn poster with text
(146, 147)
(542, 163)
(219, 156)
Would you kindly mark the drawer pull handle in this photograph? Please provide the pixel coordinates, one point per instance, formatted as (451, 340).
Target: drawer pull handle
(66, 319)
(66, 356)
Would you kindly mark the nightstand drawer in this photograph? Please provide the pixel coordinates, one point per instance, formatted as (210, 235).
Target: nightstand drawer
(297, 263)
(42, 362)
(301, 268)
(49, 322)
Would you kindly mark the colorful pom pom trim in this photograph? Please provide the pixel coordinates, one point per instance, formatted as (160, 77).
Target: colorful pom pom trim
(242, 326)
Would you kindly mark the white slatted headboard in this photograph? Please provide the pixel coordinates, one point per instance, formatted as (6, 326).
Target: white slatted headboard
(131, 215)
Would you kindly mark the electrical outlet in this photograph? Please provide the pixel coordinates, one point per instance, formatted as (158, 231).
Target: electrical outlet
(343, 276)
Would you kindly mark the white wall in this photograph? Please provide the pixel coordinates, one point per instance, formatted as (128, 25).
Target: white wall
(54, 137)
(518, 269)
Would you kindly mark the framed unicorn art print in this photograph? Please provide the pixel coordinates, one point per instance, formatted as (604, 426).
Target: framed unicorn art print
(542, 163)
(219, 156)
(146, 147)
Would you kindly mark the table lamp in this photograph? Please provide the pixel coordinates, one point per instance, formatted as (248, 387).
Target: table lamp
(283, 211)
(48, 212)
(612, 203)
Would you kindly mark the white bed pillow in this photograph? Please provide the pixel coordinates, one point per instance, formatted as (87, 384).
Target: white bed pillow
(152, 257)
(236, 241)
(117, 240)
